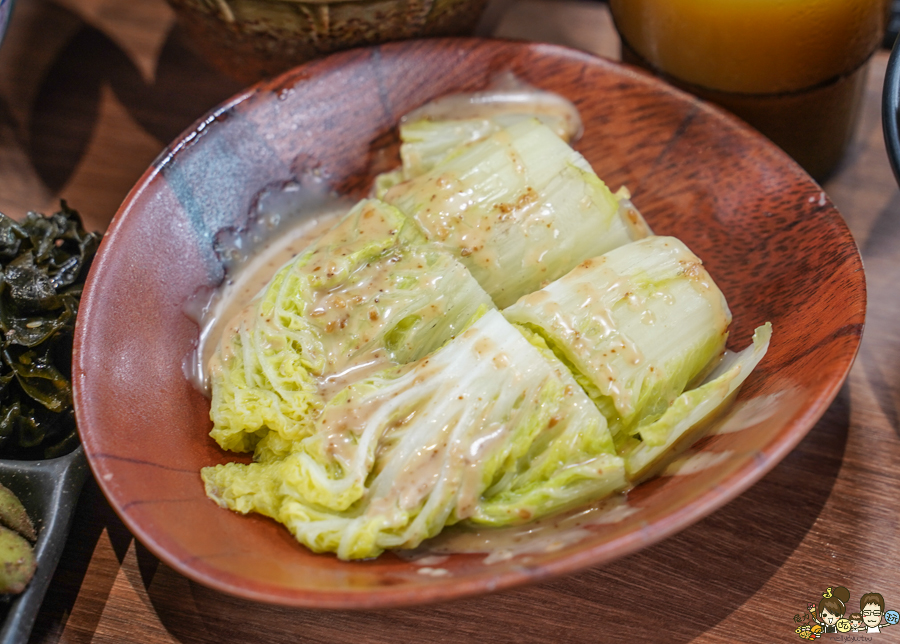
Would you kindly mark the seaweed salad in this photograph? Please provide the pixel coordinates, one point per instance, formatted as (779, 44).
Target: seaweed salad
(44, 261)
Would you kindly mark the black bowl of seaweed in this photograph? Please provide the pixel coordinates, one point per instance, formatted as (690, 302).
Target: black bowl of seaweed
(44, 261)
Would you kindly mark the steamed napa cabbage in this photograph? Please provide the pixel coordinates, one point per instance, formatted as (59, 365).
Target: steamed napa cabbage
(489, 429)
(692, 409)
(446, 126)
(427, 142)
(443, 126)
(518, 208)
(636, 325)
(385, 397)
(366, 295)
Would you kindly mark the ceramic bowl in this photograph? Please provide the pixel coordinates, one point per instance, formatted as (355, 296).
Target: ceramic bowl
(773, 241)
(255, 39)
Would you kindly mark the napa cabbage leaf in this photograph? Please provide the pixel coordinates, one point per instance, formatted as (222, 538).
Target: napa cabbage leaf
(368, 294)
(518, 208)
(491, 428)
(637, 326)
(693, 409)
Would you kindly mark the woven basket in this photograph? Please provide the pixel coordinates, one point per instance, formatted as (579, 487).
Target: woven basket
(254, 39)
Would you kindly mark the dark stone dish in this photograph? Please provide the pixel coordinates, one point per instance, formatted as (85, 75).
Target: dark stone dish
(49, 491)
(890, 110)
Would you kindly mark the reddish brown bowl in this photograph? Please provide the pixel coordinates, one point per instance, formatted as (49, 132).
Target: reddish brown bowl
(768, 234)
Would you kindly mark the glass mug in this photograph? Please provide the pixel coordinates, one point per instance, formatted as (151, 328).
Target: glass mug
(794, 69)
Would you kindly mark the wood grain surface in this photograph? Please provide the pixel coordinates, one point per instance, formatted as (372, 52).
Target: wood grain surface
(92, 90)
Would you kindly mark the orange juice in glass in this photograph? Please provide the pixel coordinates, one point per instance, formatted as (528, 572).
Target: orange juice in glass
(794, 69)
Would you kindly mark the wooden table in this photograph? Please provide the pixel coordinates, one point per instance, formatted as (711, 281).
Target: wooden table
(91, 90)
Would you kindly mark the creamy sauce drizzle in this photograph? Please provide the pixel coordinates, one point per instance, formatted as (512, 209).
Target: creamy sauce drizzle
(590, 328)
(691, 462)
(759, 410)
(286, 221)
(544, 535)
(289, 218)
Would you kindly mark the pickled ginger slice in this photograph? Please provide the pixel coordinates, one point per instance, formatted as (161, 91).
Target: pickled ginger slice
(484, 429)
(366, 295)
(518, 209)
(637, 326)
(692, 409)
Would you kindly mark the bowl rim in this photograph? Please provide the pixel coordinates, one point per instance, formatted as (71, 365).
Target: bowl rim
(730, 487)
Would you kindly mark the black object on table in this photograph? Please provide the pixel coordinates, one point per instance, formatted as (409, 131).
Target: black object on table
(49, 491)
